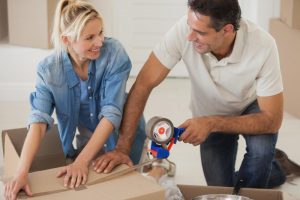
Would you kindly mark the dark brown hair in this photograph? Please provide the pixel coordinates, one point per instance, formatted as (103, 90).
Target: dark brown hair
(221, 12)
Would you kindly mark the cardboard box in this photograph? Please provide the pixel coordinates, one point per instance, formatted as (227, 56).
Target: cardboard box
(49, 155)
(30, 22)
(191, 191)
(3, 19)
(45, 185)
(290, 12)
(132, 186)
(288, 42)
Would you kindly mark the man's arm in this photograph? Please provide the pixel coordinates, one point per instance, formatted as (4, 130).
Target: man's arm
(268, 120)
(152, 73)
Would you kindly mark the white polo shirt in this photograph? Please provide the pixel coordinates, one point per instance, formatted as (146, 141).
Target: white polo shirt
(228, 86)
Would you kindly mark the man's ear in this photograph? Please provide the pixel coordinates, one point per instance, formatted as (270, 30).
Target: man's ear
(65, 40)
(228, 28)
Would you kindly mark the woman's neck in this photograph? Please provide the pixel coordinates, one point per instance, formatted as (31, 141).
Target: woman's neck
(80, 66)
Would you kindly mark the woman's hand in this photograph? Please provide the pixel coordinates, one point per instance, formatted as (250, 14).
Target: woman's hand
(12, 188)
(74, 174)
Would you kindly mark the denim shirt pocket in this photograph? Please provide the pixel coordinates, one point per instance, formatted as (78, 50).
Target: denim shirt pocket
(62, 116)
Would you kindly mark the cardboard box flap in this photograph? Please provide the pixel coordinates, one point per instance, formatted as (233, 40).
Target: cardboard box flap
(189, 192)
(50, 141)
(37, 179)
(129, 186)
(49, 155)
(10, 166)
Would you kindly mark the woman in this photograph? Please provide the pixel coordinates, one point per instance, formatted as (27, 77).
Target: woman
(84, 80)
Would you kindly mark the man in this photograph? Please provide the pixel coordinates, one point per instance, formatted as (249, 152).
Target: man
(236, 91)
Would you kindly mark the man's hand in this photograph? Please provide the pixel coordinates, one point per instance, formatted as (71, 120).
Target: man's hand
(13, 187)
(107, 162)
(75, 174)
(196, 130)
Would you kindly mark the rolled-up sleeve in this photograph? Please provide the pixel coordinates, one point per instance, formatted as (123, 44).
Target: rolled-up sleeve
(113, 97)
(41, 102)
(170, 49)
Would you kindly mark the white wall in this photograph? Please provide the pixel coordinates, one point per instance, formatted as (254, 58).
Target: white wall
(18, 69)
(139, 24)
(260, 11)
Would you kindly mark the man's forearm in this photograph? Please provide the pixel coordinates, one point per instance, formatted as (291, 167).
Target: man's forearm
(257, 123)
(133, 110)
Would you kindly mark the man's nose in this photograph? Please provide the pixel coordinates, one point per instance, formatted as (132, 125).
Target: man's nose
(191, 35)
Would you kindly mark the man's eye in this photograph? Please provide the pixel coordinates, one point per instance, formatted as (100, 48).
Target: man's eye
(200, 33)
(90, 38)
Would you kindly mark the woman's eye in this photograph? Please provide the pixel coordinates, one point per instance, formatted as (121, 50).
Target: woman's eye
(90, 38)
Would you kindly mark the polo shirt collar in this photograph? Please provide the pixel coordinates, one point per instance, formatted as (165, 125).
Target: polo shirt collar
(238, 46)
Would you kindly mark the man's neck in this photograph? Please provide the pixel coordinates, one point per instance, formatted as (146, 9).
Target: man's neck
(228, 47)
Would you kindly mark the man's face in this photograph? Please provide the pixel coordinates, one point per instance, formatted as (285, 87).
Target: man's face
(204, 37)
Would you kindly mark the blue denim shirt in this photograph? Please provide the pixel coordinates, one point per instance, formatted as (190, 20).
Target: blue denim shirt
(58, 86)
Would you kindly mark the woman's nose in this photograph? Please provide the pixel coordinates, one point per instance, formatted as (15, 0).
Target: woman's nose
(99, 40)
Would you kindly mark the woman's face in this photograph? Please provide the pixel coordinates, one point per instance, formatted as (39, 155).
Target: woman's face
(87, 47)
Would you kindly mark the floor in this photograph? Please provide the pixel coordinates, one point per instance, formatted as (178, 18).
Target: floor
(170, 100)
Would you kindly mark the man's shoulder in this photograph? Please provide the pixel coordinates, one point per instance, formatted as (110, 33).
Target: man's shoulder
(255, 34)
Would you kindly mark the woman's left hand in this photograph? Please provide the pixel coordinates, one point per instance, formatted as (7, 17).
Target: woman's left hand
(75, 174)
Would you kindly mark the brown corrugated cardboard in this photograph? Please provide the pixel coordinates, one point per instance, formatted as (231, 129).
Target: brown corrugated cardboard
(190, 191)
(30, 22)
(45, 185)
(288, 42)
(3, 19)
(290, 12)
(50, 153)
(130, 186)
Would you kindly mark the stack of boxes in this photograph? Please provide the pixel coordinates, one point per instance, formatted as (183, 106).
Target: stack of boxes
(3, 19)
(30, 22)
(286, 31)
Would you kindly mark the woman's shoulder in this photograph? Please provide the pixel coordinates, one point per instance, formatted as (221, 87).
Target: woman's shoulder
(113, 55)
(112, 44)
(111, 49)
(50, 66)
(48, 61)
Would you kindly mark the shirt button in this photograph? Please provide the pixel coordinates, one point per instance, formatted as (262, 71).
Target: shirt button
(90, 97)
(105, 145)
(91, 115)
(89, 87)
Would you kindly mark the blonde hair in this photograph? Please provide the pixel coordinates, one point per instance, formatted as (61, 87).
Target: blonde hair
(70, 18)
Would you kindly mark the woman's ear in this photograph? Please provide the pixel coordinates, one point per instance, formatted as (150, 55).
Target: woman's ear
(65, 40)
